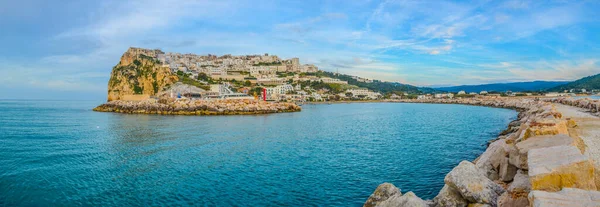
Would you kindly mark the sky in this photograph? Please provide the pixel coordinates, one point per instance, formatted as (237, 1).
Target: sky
(66, 49)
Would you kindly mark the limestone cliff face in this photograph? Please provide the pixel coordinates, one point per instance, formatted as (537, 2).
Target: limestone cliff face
(139, 72)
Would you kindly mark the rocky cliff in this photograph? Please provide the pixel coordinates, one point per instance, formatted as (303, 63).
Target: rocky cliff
(139, 72)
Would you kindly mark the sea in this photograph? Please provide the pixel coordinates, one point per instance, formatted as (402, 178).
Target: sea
(61, 153)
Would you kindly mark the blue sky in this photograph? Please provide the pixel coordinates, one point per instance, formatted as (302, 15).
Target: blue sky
(66, 49)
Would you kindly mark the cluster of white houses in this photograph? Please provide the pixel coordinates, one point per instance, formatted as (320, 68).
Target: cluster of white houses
(228, 67)
(284, 92)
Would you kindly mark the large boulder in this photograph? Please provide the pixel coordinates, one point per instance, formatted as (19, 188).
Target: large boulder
(507, 171)
(489, 161)
(407, 200)
(520, 183)
(567, 197)
(382, 193)
(472, 184)
(518, 156)
(554, 168)
(449, 197)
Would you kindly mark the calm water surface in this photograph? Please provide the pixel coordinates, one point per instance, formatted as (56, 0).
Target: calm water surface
(62, 153)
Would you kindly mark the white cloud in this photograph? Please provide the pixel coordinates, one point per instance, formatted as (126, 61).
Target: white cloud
(556, 70)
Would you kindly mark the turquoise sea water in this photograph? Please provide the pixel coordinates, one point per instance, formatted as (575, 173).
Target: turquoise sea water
(60, 153)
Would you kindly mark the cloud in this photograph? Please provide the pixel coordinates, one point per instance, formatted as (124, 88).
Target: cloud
(556, 70)
(419, 42)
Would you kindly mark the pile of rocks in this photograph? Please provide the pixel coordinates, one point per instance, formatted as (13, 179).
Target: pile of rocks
(591, 105)
(536, 161)
(196, 107)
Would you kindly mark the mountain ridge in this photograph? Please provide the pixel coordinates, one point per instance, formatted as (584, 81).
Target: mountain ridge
(589, 83)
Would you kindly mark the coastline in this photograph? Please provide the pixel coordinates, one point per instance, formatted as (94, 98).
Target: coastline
(539, 160)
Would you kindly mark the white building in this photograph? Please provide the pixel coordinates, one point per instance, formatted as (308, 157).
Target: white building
(363, 92)
(333, 80)
(273, 93)
(462, 93)
(444, 95)
(424, 97)
(271, 81)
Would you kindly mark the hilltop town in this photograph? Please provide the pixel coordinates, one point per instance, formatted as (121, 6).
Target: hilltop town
(145, 73)
(266, 77)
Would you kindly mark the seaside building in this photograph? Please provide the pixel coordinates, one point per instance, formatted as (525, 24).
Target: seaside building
(444, 95)
(425, 97)
(271, 81)
(363, 93)
(333, 80)
(223, 91)
(275, 93)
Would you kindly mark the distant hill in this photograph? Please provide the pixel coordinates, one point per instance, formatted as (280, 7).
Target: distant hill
(588, 83)
(379, 86)
(503, 87)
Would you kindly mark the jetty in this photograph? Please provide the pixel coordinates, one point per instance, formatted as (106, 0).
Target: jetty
(197, 107)
(549, 156)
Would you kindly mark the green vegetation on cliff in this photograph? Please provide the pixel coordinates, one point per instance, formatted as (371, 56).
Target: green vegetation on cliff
(379, 86)
(589, 83)
(138, 74)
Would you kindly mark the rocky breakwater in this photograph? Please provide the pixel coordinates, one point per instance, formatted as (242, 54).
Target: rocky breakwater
(591, 105)
(196, 107)
(535, 162)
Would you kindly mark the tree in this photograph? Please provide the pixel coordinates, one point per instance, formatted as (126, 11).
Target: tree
(255, 90)
(247, 83)
(203, 76)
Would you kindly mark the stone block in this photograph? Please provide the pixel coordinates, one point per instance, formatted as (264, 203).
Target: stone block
(518, 157)
(567, 197)
(472, 184)
(554, 168)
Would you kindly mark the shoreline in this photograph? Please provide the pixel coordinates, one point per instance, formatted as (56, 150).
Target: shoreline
(537, 161)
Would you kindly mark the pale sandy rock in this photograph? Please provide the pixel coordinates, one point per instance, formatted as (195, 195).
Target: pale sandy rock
(518, 157)
(449, 197)
(520, 183)
(567, 197)
(507, 171)
(549, 126)
(489, 161)
(508, 200)
(472, 184)
(479, 205)
(407, 200)
(382, 193)
(554, 168)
